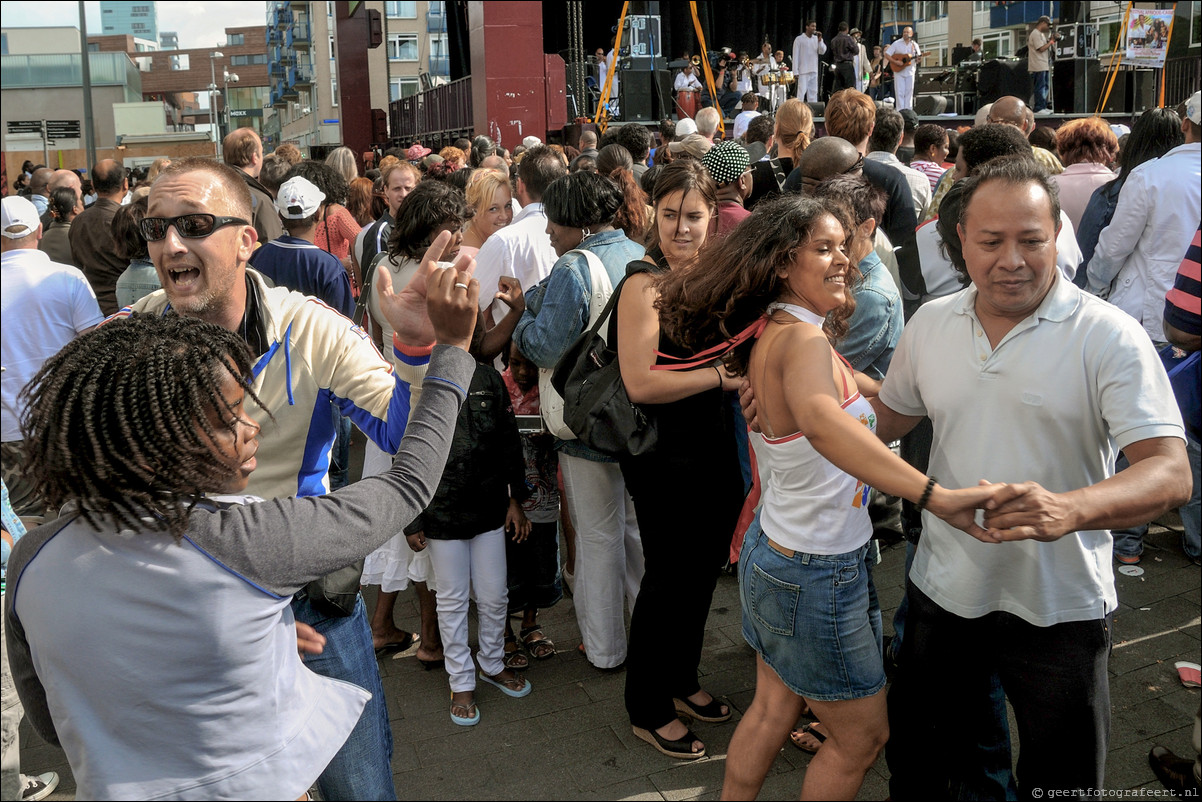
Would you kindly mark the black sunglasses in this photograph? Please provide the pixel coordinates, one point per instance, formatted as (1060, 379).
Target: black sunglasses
(189, 226)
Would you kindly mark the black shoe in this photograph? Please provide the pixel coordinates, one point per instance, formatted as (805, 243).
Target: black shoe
(1177, 773)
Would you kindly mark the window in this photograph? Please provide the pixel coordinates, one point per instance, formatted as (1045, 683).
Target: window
(333, 90)
(233, 39)
(246, 60)
(933, 9)
(995, 45)
(437, 8)
(438, 46)
(1110, 33)
(402, 87)
(331, 47)
(402, 46)
(180, 62)
(406, 9)
(1195, 23)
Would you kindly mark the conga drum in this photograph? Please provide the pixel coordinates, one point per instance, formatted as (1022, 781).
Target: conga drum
(686, 101)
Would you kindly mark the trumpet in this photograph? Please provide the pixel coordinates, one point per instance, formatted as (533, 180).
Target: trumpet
(695, 61)
(745, 62)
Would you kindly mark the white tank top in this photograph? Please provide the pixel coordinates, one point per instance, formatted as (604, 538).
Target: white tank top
(810, 505)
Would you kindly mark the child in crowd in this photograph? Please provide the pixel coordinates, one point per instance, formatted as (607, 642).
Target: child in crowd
(534, 560)
(478, 500)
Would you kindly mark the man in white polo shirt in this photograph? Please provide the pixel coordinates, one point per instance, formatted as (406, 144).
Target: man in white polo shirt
(1027, 380)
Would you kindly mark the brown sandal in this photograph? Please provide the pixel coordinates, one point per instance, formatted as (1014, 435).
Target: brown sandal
(514, 659)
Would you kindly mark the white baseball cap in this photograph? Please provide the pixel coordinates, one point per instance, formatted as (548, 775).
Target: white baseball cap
(298, 198)
(21, 215)
(684, 127)
(1193, 108)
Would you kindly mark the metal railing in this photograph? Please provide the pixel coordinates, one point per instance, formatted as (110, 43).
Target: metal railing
(439, 113)
(1183, 77)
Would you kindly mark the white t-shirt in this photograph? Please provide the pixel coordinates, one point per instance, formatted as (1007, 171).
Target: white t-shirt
(521, 249)
(1036, 61)
(806, 50)
(44, 304)
(742, 120)
(1052, 403)
(902, 48)
(685, 82)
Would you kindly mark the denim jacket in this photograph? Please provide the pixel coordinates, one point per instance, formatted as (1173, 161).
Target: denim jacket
(876, 325)
(557, 309)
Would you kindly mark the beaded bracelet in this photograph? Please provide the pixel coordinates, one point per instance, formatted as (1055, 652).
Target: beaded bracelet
(926, 493)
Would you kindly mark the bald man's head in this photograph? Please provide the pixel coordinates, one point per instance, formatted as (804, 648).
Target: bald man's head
(40, 181)
(495, 162)
(1011, 111)
(108, 179)
(826, 157)
(64, 179)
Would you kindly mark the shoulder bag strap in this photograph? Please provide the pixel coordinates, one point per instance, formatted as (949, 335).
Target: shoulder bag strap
(601, 286)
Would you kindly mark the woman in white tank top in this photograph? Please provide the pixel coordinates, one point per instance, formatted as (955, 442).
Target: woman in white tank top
(782, 297)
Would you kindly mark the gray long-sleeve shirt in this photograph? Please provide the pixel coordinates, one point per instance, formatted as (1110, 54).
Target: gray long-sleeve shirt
(169, 669)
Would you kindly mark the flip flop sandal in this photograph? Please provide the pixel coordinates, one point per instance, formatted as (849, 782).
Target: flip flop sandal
(505, 689)
(464, 721)
(710, 713)
(807, 729)
(540, 648)
(514, 659)
(681, 748)
(405, 647)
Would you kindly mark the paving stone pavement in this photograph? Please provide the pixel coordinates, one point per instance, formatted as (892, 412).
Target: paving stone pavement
(570, 738)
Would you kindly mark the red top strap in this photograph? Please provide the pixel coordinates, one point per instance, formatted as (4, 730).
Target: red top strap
(710, 354)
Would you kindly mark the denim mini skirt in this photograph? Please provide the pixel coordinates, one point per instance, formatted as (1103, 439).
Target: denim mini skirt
(808, 618)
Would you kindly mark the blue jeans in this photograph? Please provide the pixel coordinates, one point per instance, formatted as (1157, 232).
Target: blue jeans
(1041, 89)
(362, 769)
(946, 708)
(899, 616)
(1191, 541)
(814, 619)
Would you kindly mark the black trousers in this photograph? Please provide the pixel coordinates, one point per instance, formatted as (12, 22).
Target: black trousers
(845, 76)
(946, 737)
(686, 520)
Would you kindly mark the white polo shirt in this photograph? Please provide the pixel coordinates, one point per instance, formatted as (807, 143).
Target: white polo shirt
(1061, 393)
(521, 249)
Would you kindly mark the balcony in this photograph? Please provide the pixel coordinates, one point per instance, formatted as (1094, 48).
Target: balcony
(1012, 14)
(278, 69)
(301, 37)
(282, 17)
(440, 65)
(277, 99)
(273, 37)
(301, 76)
(436, 22)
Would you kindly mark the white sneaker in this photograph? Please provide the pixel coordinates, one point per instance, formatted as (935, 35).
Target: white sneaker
(1043, 112)
(39, 787)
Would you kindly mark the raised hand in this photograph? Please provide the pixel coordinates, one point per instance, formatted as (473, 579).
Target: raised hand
(452, 298)
(509, 291)
(406, 310)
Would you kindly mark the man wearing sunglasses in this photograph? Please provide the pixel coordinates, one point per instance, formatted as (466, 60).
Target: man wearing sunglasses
(200, 238)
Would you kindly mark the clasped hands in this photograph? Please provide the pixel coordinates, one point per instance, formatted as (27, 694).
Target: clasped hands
(1013, 511)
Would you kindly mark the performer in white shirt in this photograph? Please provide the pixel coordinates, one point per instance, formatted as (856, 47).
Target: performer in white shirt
(686, 81)
(902, 56)
(806, 49)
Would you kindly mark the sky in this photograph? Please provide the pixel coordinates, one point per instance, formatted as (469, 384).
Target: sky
(199, 24)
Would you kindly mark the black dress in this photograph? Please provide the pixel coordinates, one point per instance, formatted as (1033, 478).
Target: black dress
(687, 495)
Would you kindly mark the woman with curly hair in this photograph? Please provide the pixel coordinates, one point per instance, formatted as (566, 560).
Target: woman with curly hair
(192, 684)
(360, 201)
(805, 579)
(684, 544)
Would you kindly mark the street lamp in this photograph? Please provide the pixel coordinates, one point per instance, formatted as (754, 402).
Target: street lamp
(216, 54)
(228, 76)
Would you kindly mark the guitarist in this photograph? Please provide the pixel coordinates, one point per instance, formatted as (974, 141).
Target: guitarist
(902, 56)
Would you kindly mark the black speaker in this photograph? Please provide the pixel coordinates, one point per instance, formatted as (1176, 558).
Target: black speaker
(999, 78)
(930, 105)
(817, 109)
(638, 104)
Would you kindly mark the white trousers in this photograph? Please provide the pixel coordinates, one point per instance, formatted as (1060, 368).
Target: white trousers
(609, 555)
(807, 87)
(471, 569)
(903, 90)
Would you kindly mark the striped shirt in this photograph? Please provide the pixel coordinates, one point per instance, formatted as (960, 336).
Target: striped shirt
(1183, 304)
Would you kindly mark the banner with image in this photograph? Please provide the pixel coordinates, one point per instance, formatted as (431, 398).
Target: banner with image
(1148, 36)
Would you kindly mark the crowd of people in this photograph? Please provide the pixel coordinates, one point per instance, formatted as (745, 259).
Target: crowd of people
(986, 340)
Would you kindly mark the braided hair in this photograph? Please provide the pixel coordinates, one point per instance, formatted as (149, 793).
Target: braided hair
(117, 420)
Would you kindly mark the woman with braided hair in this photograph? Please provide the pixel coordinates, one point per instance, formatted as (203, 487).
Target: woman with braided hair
(192, 686)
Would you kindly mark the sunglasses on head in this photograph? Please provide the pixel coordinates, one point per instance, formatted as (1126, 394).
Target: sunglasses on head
(188, 226)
